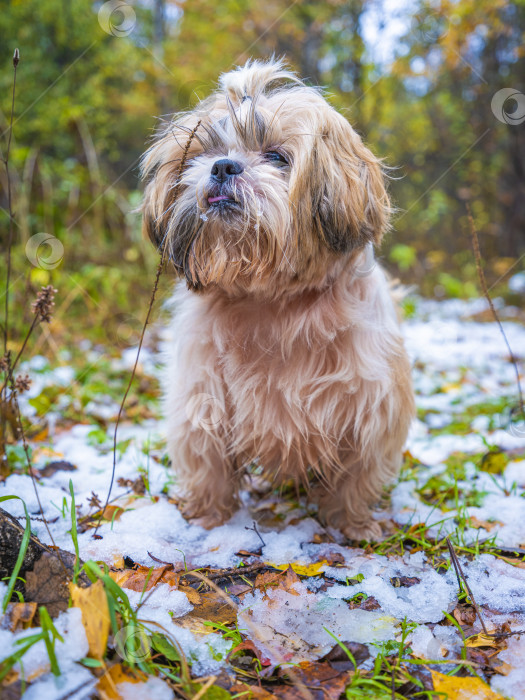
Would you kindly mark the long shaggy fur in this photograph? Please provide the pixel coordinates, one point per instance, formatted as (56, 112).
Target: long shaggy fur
(287, 349)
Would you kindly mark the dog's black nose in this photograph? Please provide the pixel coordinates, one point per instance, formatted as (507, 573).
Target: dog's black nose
(223, 169)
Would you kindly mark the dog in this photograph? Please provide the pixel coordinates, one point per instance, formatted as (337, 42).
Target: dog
(287, 351)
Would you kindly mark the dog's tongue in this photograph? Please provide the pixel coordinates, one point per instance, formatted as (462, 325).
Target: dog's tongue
(217, 199)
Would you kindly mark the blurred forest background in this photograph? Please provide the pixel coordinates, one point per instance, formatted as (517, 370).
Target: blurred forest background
(416, 79)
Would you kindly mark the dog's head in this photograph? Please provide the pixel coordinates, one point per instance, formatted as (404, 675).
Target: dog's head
(277, 190)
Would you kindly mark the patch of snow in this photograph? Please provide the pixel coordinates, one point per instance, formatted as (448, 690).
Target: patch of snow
(288, 626)
(152, 689)
(36, 660)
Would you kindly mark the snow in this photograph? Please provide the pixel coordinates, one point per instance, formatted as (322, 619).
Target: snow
(153, 689)
(461, 373)
(36, 661)
(435, 644)
(422, 602)
(512, 685)
(288, 626)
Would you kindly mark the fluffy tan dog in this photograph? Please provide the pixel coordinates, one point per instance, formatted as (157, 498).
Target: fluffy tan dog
(287, 351)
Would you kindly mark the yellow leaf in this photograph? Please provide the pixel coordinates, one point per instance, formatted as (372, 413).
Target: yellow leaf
(93, 603)
(463, 688)
(451, 386)
(481, 640)
(301, 569)
(494, 462)
(120, 577)
(107, 685)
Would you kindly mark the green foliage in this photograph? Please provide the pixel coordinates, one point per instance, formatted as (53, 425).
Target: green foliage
(404, 255)
(21, 554)
(87, 101)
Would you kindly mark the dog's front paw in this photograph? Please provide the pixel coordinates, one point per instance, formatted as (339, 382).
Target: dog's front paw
(370, 532)
(206, 519)
(208, 522)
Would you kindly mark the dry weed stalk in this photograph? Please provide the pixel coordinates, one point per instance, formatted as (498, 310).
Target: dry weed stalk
(160, 267)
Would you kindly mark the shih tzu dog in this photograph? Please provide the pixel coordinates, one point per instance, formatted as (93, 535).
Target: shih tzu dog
(287, 351)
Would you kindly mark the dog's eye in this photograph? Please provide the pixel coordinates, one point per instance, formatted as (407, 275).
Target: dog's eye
(275, 157)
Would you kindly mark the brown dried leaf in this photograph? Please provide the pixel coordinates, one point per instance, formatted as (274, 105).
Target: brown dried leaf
(137, 580)
(248, 645)
(320, 680)
(339, 659)
(213, 608)
(404, 581)
(18, 616)
(192, 595)
(485, 524)
(465, 615)
(503, 668)
(48, 583)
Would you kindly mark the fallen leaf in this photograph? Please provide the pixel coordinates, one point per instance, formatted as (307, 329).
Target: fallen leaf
(465, 614)
(194, 624)
(485, 524)
(462, 688)
(212, 608)
(107, 685)
(192, 595)
(479, 656)
(494, 462)
(285, 579)
(144, 578)
(303, 569)
(340, 660)
(18, 616)
(503, 668)
(93, 603)
(238, 589)
(248, 645)
(320, 680)
(481, 640)
(113, 512)
(404, 581)
(369, 603)
(333, 558)
(48, 583)
(56, 466)
(137, 485)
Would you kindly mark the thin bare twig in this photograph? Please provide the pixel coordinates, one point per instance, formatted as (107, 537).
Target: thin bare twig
(16, 59)
(481, 275)
(14, 399)
(254, 528)
(461, 577)
(150, 307)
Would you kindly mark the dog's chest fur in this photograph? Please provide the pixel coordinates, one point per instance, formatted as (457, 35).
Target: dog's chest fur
(298, 379)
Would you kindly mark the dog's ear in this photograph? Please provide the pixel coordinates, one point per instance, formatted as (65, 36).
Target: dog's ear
(152, 221)
(160, 167)
(345, 200)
